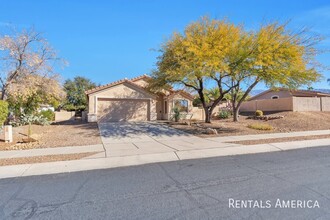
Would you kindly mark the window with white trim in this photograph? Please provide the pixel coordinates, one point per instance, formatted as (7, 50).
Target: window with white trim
(275, 97)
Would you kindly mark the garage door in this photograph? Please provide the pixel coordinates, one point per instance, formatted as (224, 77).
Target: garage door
(115, 110)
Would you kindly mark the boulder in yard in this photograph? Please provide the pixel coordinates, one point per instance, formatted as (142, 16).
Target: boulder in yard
(211, 131)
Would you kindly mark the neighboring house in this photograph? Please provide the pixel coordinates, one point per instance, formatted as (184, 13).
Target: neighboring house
(128, 100)
(288, 100)
(286, 93)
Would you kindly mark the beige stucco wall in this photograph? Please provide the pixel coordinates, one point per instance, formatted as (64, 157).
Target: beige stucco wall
(198, 113)
(268, 95)
(306, 104)
(325, 102)
(282, 104)
(299, 104)
(64, 116)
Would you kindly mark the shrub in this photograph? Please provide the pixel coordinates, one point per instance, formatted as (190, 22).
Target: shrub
(48, 114)
(224, 114)
(177, 114)
(260, 126)
(259, 113)
(70, 107)
(3, 111)
(25, 119)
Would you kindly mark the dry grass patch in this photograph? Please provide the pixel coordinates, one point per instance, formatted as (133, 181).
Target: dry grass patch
(260, 126)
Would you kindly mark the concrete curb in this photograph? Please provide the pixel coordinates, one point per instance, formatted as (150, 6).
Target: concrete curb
(112, 162)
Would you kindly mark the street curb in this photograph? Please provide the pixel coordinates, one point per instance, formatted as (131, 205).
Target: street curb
(113, 162)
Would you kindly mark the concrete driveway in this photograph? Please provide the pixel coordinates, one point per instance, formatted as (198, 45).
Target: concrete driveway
(135, 138)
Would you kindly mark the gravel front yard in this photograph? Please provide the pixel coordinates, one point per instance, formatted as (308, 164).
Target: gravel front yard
(44, 159)
(292, 121)
(70, 133)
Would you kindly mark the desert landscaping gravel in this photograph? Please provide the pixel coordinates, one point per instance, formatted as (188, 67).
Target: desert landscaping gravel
(70, 133)
(292, 121)
(44, 159)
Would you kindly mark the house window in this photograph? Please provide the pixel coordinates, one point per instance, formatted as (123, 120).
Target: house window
(165, 107)
(275, 97)
(181, 104)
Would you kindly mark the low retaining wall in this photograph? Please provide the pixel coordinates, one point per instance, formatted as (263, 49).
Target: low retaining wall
(64, 116)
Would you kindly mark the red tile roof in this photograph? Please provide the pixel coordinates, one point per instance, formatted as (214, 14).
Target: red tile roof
(106, 86)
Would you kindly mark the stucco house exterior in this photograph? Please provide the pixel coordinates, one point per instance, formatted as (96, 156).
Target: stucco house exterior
(287, 100)
(129, 100)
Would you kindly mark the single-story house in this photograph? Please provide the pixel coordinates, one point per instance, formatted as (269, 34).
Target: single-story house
(129, 100)
(287, 100)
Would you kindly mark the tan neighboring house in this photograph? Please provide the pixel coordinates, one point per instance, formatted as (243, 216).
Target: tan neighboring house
(287, 100)
(128, 100)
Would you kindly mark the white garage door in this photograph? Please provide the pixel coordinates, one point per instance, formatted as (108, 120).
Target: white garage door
(116, 110)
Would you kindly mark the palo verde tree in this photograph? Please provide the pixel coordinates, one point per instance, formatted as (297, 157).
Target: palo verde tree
(275, 56)
(235, 60)
(197, 57)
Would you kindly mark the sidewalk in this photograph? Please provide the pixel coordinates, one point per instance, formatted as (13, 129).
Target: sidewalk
(269, 136)
(218, 148)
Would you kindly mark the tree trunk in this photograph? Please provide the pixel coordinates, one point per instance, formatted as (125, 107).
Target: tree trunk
(3, 93)
(235, 113)
(208, 113)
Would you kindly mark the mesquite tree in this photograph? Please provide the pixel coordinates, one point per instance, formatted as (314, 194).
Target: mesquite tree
(23, 54)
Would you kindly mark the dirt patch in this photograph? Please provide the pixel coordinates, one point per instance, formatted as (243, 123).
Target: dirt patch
(70, 133)
(292, 121)
(279, 140)
(44, 159)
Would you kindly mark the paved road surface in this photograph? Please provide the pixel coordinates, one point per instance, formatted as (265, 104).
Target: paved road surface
(191, 189)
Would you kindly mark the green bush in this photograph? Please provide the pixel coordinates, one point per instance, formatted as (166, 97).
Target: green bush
(259, 113)
(3, 111)
(224, 114)
(70, 107)
(48, 114)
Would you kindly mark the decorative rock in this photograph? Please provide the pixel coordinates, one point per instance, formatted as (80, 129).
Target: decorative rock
(266, 118)
(211, 131)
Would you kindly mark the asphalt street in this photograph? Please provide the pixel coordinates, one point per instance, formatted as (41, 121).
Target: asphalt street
(260, 186)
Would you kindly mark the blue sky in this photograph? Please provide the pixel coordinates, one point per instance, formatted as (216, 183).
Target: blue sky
(110, 40)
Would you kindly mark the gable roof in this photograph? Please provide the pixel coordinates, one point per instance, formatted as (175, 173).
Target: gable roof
(296, 93)
(141, 88)
(144, 76)
(181, 92)
(123, 81)
(109, 85)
